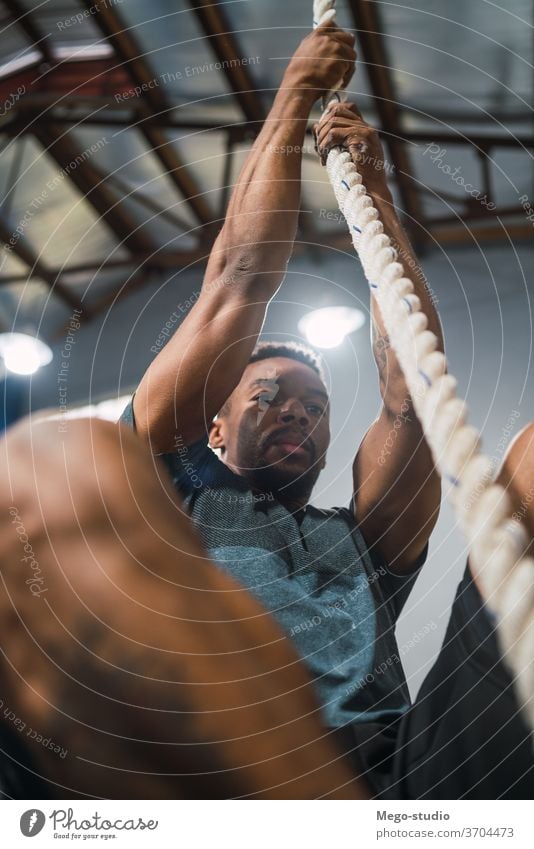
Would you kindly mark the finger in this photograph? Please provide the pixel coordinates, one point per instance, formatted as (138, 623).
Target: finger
(343, 109)
(315, 140)
(342, 137)
(343, 51)
(341, 123)
(332, 139)
(351, 107)
(331, 127)
(350, 111)
(335, 33)
(344, 37)
(358, 151)
(327, 23)
(348, 121)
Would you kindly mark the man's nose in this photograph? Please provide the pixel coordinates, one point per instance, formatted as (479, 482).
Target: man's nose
(294, 411)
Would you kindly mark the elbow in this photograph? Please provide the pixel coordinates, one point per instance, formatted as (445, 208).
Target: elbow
(247, 276)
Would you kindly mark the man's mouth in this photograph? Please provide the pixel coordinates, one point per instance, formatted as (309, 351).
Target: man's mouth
(291, 448)
(291, 444)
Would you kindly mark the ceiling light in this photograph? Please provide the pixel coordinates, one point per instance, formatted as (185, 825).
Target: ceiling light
(23, 354)
(327, 327)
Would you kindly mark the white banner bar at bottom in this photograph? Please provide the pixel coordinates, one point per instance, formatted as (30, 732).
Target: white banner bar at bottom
(235, 824)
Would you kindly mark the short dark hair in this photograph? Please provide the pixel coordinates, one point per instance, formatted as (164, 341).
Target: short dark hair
(293, 350)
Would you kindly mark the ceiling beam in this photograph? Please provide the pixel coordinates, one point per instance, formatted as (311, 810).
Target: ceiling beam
(483, 141)
(218, 31)
(24, 20)
(370, 37)
(472, 235)
(17, 243)
(33, 105)
(213, 20)
(88, 180)
(72, 83)
(129, 51)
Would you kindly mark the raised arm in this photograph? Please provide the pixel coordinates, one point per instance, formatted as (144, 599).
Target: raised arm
(396, 488)
(198, 369)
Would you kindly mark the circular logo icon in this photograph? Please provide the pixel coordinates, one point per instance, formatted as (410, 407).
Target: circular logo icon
(32, 822)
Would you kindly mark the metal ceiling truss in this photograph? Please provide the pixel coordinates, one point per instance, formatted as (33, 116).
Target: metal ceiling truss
(70, 94)
(369, 28)
(153, 101)
(17, 243)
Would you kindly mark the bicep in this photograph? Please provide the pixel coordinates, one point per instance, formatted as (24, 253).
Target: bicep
(199, 367)
(397, 490)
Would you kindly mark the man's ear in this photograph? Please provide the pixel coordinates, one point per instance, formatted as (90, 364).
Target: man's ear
(216, 438)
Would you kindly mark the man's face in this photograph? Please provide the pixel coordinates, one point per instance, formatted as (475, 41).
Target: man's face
(276, 432)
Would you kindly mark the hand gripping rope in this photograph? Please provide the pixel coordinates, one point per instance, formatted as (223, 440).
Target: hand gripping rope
(483, 507)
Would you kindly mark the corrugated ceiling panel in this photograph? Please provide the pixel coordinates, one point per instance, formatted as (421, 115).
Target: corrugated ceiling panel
(461, 56)
(58, 222)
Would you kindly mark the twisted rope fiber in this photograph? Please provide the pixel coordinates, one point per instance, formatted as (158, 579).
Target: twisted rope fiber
(483, 507)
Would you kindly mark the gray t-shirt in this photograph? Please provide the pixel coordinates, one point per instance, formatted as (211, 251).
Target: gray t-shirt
(333, 597)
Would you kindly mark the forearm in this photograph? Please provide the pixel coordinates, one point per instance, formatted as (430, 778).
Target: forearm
(261, 221)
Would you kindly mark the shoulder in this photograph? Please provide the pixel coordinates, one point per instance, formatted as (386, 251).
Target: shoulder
(192, 466)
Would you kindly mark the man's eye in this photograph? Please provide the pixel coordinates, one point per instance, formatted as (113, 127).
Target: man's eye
(315, 410)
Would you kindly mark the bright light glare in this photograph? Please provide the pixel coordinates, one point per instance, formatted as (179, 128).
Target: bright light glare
(23, 354)
(327, 328)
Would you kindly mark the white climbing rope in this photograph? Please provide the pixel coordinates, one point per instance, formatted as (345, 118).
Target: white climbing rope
(483, 507)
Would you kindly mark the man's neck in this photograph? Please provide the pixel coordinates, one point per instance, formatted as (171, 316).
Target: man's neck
(292, 503)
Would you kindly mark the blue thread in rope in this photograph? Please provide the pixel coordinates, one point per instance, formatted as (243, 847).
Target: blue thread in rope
(356, 228)
(407, 302)
(344, 183)
(424, 376)
(373, 285)
(452, 479)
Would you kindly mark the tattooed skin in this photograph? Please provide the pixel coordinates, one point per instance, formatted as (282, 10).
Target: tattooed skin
(389, 373)
(381, 344)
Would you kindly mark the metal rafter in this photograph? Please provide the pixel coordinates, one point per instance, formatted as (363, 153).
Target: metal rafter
(17, 243)
(32, 105)
(222, 41)
(129, 51)
(25, 22)
(88, 180)
(224, 45)
(469, 235)
(86, 83)
(154, 114)
(370, 36)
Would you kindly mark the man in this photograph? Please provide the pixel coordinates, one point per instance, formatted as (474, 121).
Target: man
(145, 660)
(335, 580)
(317, 573)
